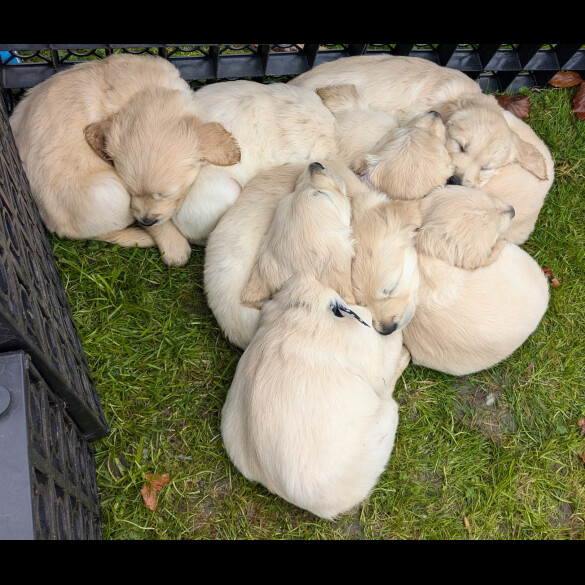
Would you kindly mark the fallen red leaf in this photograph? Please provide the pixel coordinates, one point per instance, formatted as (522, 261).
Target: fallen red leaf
(550, 275)
(566, 79)
(517, 104)
(153, 485)
(579, 103)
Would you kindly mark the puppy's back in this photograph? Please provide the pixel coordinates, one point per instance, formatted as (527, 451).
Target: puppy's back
(308, 414)
(469, 320)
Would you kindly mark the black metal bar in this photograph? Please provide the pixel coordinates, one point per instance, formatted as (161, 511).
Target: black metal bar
(565, 53)
(445, 52)
(310, 52)
(263, 53)
(356, 49)
(403, 49)
(525, 53)
(485, 52)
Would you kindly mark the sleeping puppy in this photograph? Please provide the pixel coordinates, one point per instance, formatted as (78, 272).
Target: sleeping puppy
(469, 320)
(520, 188)
(406, 159)
(310, 231)
(462, 226)
(273, 123)
(479, 140)
(384, 269)
(310, 413)
(479, 297)
(115, 141)
(232, 253)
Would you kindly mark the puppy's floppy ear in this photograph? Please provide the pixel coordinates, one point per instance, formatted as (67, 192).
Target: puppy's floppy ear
(339, 97)
(529, 158)
(216, 145)
(95, 135)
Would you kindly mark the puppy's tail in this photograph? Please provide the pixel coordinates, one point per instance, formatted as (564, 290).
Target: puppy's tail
(129, 237)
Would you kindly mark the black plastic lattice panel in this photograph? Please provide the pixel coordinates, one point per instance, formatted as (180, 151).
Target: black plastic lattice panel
(496, 67)
(48, 484)
(35, 314)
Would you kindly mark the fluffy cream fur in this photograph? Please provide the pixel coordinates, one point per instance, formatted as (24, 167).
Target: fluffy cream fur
(478, 138)
(385, 269)
(232, 248)
(469, 320)
(310, 413)
(274, 124)
(310, 232)
(113, 141)
(405, 159)
(524, 191)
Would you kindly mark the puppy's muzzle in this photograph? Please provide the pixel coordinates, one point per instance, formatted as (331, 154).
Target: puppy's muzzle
(147, 221)
(386, 328)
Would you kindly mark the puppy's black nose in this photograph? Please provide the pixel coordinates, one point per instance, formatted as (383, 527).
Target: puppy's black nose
(147, 221)
(512, 212)
(454, 180)
(387, 329)
(436, 114)
(316, 166)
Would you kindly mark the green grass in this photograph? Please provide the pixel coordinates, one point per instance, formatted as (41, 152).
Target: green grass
(460, 469)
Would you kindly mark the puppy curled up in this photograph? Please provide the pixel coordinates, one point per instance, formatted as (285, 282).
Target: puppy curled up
(310, 413)
(480, 297)
(242, 254)
(114, 142)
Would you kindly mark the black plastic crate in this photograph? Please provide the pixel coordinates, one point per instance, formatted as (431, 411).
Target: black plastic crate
(48, 485)
(35, 314)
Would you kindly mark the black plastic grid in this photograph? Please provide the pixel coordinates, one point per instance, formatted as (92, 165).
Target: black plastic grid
(48, 488)
(497, 67)
(35, 314)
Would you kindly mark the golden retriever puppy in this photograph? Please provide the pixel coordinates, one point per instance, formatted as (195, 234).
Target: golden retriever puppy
(114, 141)
(469, 320)
(462, 226)
(524, 191)
(311, 232)
(480, 297)
(385, 270)
(404, 159)
(232, 251)
(478, 138)
(232, 246)
(310, 413)
(273, 123)
(410, 160)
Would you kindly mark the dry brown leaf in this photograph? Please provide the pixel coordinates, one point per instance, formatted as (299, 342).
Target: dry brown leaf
(517, 104)
(582, 457)
(566, 79)
(550, 275)
(579, 103)
(467, 525)
(153, 485)
(582, 425)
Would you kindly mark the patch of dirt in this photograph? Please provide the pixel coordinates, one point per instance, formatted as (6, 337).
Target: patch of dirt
(482, 409)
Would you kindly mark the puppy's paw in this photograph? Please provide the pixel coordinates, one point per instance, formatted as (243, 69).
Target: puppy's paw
(176, 255)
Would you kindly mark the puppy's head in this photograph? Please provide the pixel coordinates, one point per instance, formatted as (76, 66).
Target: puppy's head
(320, 187)
(410, 160)
(480, 142)
(385, 273)
(461, 225)
(303, 290)
(157, 149)
(293, 240)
